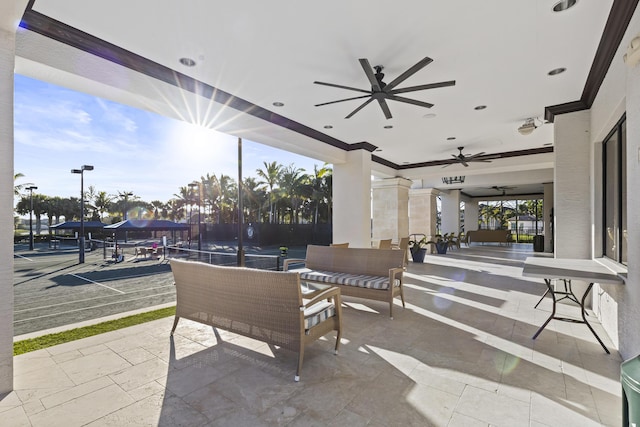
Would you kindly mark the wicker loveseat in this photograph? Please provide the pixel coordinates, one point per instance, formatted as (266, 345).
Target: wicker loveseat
(488, 236)
(264, 305)
(374, 274)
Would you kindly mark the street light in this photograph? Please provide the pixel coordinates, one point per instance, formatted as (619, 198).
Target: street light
(81, 239)
(197, 184)
(125, 200)
(31, 188)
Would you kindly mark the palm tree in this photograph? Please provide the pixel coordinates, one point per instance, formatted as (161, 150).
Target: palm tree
(158, 208)
(295, 187)
(228, 198)
(318, 186)
(102, 203)
(18, 188)
(270, 174)
(210, 194)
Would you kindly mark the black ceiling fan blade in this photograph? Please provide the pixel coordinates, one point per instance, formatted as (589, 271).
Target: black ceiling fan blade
(364, 104)
(370, 75)
(411, 71)
(423, 87)
(473, 156)
(410, 101)
(385, 108)
(342, 100)
(466, 165)
(343, 87)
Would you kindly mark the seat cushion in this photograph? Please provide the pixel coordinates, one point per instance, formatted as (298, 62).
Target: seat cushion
(359, 280)
(318, 313)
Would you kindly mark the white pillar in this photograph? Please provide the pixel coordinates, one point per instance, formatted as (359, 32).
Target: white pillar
(572, 178)
(423, 210)
(547, 206)
(450, 215)
(352, 200)
(471, 215)
(390, 208)
(7, 65)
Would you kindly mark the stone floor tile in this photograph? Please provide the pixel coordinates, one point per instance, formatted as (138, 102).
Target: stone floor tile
(138, 375)
(78, 391)
(93, 366)
(493, 408)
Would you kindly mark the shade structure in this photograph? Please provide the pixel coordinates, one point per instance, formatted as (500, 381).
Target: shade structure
(75, 225)
(146, 224)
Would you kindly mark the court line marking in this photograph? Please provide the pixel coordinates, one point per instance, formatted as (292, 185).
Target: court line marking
(95, 283)
(23, 257)
(88, 308)
(90, 299)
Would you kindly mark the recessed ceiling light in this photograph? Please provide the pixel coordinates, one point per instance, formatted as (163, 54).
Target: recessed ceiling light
(429, 116)
(388, 127)
(328, 127)
(563, 5)
(480, 107)
(451, 138)
(278, 104)
(556, 71)
(187, 62)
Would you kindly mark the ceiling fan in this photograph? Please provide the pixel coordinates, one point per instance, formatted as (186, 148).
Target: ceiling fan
(502, 189)
(465, 159)
(381, 91)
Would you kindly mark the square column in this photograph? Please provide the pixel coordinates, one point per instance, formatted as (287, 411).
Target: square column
(572, 179)
(352, 200)
(450, 215)
(547, 208)
(471, 215)
(423, 211)
(7, 65)
(390, 208)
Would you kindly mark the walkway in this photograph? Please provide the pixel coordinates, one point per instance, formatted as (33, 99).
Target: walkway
(460, 354)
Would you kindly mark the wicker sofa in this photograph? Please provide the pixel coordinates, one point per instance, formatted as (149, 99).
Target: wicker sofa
(260, 304)
(374, 274)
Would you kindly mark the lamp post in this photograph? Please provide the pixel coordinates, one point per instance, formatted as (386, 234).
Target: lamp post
(31, 188)
(81, 238)
(125, 200)
(192, 185)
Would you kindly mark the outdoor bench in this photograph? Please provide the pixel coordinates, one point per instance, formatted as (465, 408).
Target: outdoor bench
(260, 304)
(489, 236)
(374, 274)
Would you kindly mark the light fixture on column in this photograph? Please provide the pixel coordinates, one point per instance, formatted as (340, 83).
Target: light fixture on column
(632, 57)
(453, 179)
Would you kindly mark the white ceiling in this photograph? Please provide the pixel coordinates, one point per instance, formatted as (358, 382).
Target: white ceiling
(498, 52)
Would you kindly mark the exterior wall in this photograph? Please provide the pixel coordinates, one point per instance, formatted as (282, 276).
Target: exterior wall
(450, 215)
(547, 206)
(352, 200)
(390, 208)
(618, 306)
(7, 62)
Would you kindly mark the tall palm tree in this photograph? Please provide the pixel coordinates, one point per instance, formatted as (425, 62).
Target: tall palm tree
(18, 188)
(102, 203)
(318, 186)
(210, 194)
(228, 198)
(295, 187)
(270, 175)
(158, 208)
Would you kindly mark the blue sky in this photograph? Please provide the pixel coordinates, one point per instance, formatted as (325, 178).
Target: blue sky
(57, 129)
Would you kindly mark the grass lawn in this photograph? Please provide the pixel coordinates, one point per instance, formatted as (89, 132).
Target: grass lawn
(25, 346)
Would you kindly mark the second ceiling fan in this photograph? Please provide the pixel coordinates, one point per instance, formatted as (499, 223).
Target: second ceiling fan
(464, 159)
(381, 91)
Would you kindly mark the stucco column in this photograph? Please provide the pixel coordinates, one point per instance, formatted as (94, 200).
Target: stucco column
(572, 178)
(547, 206)
(450, 215)
(471, 215)
(7, 63)
(390, 208)
(352, 200)
(423, 210)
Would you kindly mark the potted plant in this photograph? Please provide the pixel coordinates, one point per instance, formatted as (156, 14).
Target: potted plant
(283, 251)
(418, 249)
(441, 243)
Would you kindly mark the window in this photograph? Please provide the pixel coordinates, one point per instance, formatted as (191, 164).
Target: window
(614, 176)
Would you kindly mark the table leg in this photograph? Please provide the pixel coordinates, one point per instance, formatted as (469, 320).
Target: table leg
(584, 317)
(553, 307)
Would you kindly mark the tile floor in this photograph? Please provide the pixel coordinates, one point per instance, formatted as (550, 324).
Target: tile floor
(459, 354)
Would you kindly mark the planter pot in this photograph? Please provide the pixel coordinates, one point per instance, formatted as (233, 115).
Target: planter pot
(441, 247)
(418, 254)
